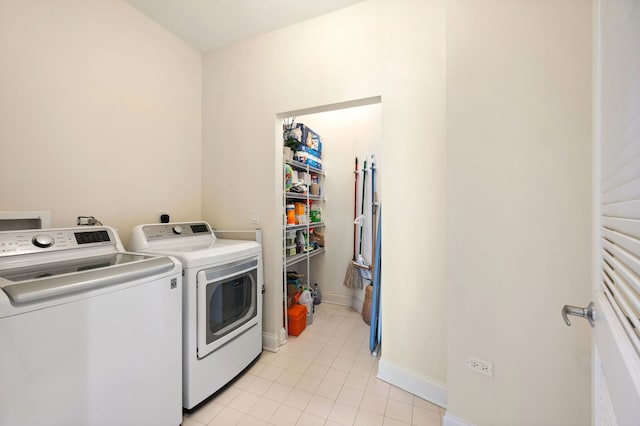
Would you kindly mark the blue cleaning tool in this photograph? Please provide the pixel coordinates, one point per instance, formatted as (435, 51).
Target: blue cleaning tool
(375, 335)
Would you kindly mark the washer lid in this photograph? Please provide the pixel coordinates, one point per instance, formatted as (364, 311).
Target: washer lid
(47, 270)
(52, 280)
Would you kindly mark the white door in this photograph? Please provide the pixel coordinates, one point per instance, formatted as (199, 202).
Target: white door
(616, 337)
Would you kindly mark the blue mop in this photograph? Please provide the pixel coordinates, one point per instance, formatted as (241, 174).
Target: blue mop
(375, 330)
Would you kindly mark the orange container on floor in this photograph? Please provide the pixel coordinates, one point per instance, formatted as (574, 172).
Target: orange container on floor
(297, 315)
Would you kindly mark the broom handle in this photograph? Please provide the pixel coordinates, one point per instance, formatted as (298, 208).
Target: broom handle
(374, 201)
(355, 208)
(364, 179)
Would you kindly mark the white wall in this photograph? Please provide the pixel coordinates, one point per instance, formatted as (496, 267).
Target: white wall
(101, 114)
(392, 49)
(346, 133)
(519, 209)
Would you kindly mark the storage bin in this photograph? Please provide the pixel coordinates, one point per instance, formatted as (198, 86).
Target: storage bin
(297, 316)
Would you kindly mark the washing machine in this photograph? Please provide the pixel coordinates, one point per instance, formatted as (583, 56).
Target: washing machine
(222, 301)
(89, 334)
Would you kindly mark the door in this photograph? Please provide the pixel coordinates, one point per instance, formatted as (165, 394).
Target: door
(616, 336)
(227, 300)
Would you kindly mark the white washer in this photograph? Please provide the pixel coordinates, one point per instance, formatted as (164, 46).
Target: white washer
(89, 334)
(222, 301)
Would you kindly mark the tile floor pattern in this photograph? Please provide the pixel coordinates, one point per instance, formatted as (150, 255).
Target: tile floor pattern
(325, 376)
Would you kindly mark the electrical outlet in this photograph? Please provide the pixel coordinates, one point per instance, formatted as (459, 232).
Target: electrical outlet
(480, 366)
(255, 217)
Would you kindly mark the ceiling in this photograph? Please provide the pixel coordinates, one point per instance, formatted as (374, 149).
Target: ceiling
(210, 24)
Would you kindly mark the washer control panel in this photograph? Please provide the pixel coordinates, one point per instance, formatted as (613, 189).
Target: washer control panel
(163, 231)
(41, 240)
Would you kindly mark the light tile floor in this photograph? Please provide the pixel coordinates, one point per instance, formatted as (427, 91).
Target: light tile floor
(325, 376)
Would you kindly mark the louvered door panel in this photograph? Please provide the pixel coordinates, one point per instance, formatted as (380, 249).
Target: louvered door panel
(620, 166)
(616, 335)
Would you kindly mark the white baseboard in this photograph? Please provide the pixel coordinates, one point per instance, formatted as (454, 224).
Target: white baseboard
(337, 299)
(429, 390)
(270, 342)
(356, 304)
(451, 420)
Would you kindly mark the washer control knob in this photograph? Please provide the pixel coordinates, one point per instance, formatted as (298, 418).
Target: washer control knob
(42, 240)
(177, 229)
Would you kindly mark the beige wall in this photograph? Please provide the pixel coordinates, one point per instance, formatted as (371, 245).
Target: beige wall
(519, 209)
(392, 49)
(101, 114)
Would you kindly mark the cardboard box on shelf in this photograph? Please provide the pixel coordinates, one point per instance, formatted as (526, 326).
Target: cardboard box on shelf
(307, 137)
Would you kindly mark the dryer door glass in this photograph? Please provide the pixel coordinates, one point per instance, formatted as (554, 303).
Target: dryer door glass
(230, 303)
(227, 301)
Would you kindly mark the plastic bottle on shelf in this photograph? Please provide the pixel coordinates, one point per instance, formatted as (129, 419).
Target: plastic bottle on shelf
(314, 188)
(315, 213)
(291, 218)
(307, 300)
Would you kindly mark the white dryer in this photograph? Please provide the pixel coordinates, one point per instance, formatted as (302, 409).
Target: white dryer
(222, 301)
(89, 334)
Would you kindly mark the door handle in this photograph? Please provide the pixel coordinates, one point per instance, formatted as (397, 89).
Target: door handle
(578, 312)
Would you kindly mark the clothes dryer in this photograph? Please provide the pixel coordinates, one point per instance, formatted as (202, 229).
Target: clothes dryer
(222, 301)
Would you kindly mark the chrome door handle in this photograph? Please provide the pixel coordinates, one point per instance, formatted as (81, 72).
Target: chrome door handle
(578, 312)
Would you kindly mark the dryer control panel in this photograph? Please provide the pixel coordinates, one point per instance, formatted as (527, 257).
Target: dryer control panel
(163, 231)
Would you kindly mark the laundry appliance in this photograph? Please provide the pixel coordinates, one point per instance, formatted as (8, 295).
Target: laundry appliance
(222, 301)
(89, 334)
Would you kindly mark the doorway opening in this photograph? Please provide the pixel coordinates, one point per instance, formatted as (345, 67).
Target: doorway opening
(347, 130)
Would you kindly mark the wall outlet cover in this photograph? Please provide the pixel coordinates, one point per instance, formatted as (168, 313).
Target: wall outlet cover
(480, 366)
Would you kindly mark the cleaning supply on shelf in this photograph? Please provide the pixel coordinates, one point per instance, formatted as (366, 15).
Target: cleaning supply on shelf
(291, 215)
(301, 215)
(302, 241)
(316, 237)
(288, 177)
(315, 214)
(317, 295)
(314, 187)
(307, 300)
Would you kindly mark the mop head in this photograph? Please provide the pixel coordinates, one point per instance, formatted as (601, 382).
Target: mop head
(364, 269)
(352, 278)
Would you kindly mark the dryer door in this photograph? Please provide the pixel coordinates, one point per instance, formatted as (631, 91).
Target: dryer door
(227, 303)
